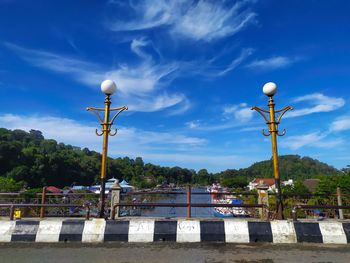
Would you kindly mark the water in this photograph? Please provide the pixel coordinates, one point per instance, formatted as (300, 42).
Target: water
(206, 212)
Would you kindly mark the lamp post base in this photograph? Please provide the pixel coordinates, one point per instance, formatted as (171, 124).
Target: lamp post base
(102, 198)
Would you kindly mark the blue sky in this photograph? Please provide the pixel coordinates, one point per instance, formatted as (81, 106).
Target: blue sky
(189, 72)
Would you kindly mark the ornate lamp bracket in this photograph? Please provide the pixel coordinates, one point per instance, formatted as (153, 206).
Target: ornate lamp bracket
(273, 125)
(106, 127)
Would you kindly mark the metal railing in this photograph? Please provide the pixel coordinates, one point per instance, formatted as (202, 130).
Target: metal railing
(57, 204)
(43, 206)
(187, 205)
(311, 207)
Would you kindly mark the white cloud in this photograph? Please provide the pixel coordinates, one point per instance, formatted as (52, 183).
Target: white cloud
(272, 63)
(137, 45)
(151, 14)
(341, 124)
(318, 103)
(314, 139)
(207, 20)
(82, 135)
(165, 148)
(240, 112)
(85, 72)
(233, 116)
(207, 160)
(140, 86)
(197, 20)
(159, 102)
(248, 129)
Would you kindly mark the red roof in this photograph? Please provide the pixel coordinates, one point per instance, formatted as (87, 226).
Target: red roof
(53, 189)
(264, 181)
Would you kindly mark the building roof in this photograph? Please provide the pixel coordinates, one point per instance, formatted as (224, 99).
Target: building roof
(264, 181)
(53, 189)
(124, 183)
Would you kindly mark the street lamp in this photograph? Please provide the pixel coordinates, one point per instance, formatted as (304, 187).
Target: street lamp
(273, 121)
(108, 87)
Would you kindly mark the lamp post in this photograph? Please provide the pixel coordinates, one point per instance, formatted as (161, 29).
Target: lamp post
(108, 87)
(273, 121)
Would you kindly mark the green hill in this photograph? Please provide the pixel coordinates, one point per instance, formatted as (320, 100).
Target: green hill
(291, 167)
(28, 158)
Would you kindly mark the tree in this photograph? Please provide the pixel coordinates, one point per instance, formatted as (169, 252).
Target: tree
(298, 188)
(202, 177)
(37, 161)
(8, 185)
(235, 181)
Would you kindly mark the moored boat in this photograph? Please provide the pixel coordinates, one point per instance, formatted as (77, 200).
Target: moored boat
(226, 212)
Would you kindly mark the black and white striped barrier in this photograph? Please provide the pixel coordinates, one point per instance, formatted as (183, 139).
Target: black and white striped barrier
(181, 230)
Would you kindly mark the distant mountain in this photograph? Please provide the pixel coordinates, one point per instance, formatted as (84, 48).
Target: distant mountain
(291, 167)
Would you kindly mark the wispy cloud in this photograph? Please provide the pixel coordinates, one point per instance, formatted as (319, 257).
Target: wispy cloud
(340, 124)
(241, 112)
(236, 62)
(160, 102)
(211, 68)
(141, 86)
(272, 63)
(196, 20)
(314, 139)
(85, 72)
(318, 103)
(208, 21)
(232, 116)
(137, 45)
(192, 124)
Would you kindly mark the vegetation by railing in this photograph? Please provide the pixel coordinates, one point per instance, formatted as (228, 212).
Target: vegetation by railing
(48, 204)
(13, 206)
(323, 207)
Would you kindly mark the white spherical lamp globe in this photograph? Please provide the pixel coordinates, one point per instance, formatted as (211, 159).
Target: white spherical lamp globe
(108, 87)
(270, 89)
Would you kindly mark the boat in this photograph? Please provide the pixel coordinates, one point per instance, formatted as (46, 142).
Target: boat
(226, 212)
(125, 186)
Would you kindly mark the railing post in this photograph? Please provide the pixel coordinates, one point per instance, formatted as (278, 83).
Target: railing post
(12, 212)
(263, 199)
(340, 211)
(87, 215)
(113, 213)
(189, 201)
(115, 199)
(43, 201)
(294, 214)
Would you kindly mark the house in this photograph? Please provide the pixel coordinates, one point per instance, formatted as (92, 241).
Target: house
(269, 182)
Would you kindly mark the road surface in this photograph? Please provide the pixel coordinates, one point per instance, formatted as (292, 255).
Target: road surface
(173, 252)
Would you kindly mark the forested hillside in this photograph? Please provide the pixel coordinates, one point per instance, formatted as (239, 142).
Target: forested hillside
(29, 158)
(291, 167)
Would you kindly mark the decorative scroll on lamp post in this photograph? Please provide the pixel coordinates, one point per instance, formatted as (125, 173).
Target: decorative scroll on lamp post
(108, 87)
(273, 121)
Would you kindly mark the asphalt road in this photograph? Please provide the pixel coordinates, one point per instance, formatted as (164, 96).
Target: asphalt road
(172, 252)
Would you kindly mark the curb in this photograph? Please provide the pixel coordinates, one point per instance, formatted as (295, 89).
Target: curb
(181, 230)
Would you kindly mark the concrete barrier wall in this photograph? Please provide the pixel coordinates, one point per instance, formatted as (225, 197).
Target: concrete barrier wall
(181, 230)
